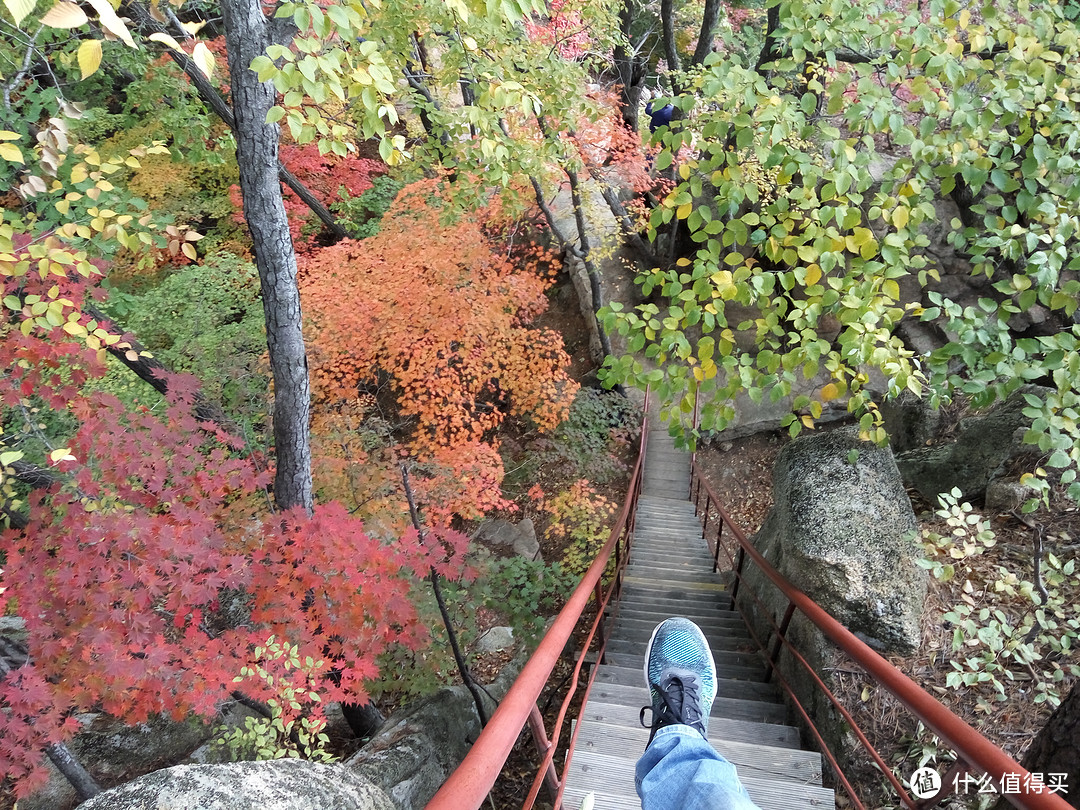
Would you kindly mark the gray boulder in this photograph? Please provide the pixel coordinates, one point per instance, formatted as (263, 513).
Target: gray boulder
(272, 785)
(984, 445)
(115, 752)
(520, 538)
(841, 531)
(419, 747)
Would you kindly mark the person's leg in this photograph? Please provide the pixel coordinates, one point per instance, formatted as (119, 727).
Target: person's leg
(680, 770)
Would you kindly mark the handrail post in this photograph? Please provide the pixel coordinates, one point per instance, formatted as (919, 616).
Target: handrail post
(598, 595)
(738, 575)
(779, 640)
(543, 744)
(708, 504)
(716, 556)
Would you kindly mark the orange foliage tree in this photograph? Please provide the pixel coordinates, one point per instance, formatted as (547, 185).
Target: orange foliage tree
(432, 308)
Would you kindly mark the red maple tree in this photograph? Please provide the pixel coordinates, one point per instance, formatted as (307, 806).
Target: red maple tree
(148, 574)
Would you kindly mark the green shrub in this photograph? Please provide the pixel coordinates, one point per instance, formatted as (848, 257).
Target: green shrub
(205, 320)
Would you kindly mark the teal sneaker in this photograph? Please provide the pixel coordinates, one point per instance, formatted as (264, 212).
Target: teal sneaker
(681, 676)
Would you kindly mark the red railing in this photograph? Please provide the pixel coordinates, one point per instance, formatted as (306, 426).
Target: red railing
(974, 752)
(469, 785)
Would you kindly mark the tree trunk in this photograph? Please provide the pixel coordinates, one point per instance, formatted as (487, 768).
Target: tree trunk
(709, 18)
(667, 20)
(631, 68)
(1056, 749)
(247, 34)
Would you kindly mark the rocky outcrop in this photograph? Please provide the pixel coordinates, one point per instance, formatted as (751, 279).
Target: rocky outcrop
(984, 445)
(504, 535)
(115, 752)
(420, 746)
(275, 784)
(841, 530)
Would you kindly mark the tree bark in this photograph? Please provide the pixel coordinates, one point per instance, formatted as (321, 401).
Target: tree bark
(247, 34)
(1056, 749)
(631, 68)
(667, 20)
(709, 17)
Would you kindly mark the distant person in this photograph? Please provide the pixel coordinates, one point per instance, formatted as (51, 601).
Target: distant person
(680, 770)
(659, 118)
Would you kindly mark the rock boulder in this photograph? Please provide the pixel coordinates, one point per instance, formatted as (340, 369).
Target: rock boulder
(277, 784)
(983, 447)
(841, 531)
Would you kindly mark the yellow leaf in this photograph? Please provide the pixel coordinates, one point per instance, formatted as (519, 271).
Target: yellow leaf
(8, 135)
(110, 22)
(900, 217)
(807, 420)
(10, 152)
(89, 56)
(891, 289)
(204, 59)
(188, 250)
(813, 274)
(165, 39)
(19, 8)
(683, 211)
(829, 392)
(64, 15)
(63, 454)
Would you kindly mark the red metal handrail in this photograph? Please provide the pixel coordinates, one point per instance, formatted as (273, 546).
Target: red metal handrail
(469, 784)
(974, 750)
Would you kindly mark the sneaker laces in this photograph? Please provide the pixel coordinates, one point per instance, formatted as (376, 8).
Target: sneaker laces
(680, 702)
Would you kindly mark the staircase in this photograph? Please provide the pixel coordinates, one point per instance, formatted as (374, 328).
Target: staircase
(670, 574)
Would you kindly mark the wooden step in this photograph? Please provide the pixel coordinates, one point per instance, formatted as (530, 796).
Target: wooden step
(766, 761)
(714, 604)
(612, 778)
(753, 711)
(644, 589)
(619, 643)
(745, 683)
(622, 656)
(711, 607)
(723, 727)
(720, 637)
(715, 625)
(687, 586)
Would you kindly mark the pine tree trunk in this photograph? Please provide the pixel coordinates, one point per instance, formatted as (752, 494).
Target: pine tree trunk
(248, 33)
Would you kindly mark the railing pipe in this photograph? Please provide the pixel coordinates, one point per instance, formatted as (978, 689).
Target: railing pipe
(468, 786)
(968, 743)
(543, 745)
(778, 642)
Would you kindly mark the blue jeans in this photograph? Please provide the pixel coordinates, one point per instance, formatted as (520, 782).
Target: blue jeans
(681, 771)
